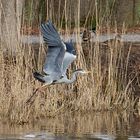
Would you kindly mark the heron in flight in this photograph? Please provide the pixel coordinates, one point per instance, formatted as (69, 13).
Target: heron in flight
(59, 56)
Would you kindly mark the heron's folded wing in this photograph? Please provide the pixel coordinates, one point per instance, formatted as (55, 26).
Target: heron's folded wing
(56, 50)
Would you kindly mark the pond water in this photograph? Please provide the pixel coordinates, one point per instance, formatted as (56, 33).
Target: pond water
(35, 39)
(96, 126)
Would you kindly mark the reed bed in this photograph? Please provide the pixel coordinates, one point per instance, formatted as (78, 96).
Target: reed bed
(106, 88)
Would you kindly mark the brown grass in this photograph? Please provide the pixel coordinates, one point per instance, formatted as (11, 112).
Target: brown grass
(106, 88)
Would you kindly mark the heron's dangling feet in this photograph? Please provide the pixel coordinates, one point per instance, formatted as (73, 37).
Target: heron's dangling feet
(34, 95)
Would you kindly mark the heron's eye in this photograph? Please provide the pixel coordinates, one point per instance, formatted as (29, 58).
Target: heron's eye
(61, 76)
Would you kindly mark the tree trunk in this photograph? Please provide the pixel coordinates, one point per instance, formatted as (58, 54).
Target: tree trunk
(11, 12)
(133, 18)
(19, 10)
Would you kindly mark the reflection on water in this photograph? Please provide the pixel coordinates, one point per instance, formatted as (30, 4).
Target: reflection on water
(97, 126)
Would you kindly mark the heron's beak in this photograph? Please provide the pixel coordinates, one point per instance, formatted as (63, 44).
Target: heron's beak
(87, 72)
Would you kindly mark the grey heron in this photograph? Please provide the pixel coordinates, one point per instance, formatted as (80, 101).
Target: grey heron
(59, 56)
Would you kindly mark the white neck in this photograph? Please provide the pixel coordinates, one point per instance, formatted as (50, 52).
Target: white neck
(69, 81)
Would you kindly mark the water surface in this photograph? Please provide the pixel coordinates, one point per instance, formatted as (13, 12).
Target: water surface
(35, 39)
(96, 126)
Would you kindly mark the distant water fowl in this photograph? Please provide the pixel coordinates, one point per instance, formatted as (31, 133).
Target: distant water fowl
(87, 34)
(94, 30)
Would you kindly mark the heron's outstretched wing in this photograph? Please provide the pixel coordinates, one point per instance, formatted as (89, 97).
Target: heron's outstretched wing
(50, 34)
(56, 51)
(69, 56)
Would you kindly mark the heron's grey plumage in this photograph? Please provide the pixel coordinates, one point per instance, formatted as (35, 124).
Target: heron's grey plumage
(55, 53)
(50, 34)
(59, 56)
(68, 59)
(69, 81)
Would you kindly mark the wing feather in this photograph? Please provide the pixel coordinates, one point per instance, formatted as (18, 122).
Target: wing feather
(50, 34)
(55, 52)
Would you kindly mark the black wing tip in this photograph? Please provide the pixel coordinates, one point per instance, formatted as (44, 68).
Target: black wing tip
(38, 77)
(36, 73)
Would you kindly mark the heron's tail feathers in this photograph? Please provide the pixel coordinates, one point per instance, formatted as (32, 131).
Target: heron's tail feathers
(50, 34)
(39, 77)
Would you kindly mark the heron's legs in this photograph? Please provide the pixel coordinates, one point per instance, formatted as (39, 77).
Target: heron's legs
(31, 99)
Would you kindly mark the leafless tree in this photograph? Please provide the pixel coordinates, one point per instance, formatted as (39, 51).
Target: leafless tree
(10, 21)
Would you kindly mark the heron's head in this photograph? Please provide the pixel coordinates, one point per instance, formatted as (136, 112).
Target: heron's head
(81, 71)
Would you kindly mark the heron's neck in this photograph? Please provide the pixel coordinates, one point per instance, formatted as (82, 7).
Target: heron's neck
(74, 75)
